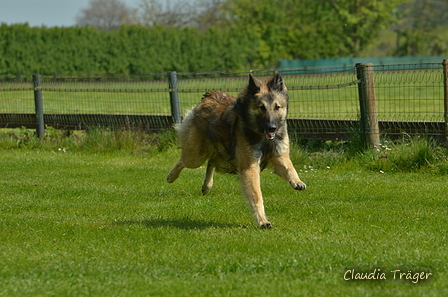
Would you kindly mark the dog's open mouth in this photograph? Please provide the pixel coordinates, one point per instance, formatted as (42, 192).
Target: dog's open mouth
(270, 135)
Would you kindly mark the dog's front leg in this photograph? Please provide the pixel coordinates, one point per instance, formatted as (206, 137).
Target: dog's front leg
(284, 168)
(250, 180)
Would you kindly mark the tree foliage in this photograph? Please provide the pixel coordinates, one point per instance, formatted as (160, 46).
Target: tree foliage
(419, 32)
(215, 35)
(310, 29)
(361, 20)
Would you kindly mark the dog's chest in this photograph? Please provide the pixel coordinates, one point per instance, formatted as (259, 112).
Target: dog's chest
(263, 152)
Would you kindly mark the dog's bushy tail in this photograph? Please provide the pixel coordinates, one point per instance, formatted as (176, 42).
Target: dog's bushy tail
(183, 128)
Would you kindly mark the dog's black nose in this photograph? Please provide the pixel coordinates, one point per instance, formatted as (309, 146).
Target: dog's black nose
(271, 128)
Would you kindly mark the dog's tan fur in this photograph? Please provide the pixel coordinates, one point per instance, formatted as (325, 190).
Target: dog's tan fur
(240, 135)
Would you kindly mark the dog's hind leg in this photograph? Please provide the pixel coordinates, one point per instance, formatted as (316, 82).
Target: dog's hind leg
(190, 160)
(194, 153)
(208, 180)
(174, 173)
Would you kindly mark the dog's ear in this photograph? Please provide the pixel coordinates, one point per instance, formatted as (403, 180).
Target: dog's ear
(276, 83)
(254, 84)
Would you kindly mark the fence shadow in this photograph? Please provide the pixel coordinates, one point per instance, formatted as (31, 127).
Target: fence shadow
(181, 223)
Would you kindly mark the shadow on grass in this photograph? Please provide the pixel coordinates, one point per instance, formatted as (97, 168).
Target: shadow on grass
(181, 223)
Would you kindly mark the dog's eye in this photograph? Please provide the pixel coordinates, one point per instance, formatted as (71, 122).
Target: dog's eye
(262, 108)
(277, 107)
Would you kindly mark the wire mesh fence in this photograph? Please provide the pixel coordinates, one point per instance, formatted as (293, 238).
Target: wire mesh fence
(407, 94)
(324, 103)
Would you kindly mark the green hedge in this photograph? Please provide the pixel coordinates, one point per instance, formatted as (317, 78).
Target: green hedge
(130, 50)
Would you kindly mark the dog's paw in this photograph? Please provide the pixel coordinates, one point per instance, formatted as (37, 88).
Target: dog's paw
(298, 185)
(169, 178)
(265, 225)
(205, 190)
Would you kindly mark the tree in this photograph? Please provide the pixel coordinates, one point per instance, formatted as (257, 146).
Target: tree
(420, 32)
(106, 14)
(285, 29)
(200, 14)
(209, 13)
(263, 23)
(361, 20)
(153, 12)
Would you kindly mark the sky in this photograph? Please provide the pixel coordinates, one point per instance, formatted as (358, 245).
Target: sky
(51, 13)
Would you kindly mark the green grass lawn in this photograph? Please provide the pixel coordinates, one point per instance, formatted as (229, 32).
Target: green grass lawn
(81, 223)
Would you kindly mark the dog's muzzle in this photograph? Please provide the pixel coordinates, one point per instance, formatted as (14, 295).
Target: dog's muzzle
(270, 132)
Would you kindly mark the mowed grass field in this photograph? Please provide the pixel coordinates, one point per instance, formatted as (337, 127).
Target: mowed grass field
(401, 95)
(80, 223)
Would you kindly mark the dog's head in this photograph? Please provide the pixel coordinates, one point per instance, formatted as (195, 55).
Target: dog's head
(263, 105)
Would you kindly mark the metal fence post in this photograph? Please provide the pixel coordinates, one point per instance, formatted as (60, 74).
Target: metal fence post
(174, 98)
(445, 97)
(367, 104)
(38, 106)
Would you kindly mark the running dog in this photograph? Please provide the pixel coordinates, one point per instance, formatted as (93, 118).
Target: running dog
(240, 135)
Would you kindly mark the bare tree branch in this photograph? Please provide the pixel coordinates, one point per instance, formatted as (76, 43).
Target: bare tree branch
(106, 14)
(181, 13)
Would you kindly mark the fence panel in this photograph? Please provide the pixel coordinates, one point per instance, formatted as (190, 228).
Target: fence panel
(107, 101)
(410, 99)
(409, 95)
(17, 101)
(323, 104)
